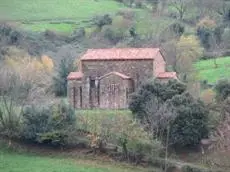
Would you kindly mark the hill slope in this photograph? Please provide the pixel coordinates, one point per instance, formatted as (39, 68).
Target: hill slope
(207, 70)
(56, 15)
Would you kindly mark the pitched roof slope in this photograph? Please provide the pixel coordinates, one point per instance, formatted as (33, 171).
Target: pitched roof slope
(123, 76)
(75, 75)
(121, 54)
(166, 75)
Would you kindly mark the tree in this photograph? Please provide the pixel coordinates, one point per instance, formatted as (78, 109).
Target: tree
(191, 122)
(148, 104)
(60, 80)
(13, 96)
(169, 113)
(180, 5)
(31, 70)
(188, 50)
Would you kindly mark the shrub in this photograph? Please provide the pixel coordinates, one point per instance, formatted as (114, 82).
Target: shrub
(222, 89)
(121, 131)
(208, 96)
(127, 14)
(79, 33)
(49, 124)
(113, 35)
(101, 21)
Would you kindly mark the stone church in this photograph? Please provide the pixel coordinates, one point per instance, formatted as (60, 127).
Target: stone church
(107, 77)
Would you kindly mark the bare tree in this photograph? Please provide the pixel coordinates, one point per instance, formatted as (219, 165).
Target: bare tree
(181, 6)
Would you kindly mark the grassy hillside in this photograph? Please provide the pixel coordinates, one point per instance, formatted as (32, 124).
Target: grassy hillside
(207, 70)
(14, 162)
(56, 15)
(55, 9)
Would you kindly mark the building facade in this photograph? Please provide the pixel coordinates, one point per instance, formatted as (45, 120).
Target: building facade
(107, 77)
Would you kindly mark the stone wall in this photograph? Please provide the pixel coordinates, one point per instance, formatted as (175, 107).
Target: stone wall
(114, 92)
(138, 70)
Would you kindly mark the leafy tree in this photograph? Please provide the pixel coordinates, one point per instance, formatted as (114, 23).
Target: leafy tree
(222, 90)
(157, 89)
(60, 80)
(166, 108)
(205, 31)
(191, 122)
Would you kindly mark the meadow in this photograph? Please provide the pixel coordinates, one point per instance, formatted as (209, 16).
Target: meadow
(57, 15)
(11, 161)
(208, 70)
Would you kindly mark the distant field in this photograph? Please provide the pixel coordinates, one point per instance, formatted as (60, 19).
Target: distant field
(208, 71)
(67, 15)
(57, 15)
(55, 9)
(21, 162)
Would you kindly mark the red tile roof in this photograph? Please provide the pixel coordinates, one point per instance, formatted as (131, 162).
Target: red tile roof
(167, 75)
(121, 54)
(75, 75)
(116, 73)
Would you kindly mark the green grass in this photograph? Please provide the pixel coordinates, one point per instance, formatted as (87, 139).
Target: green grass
(208, 71)
(43, 26)
(40, 15)
(21, 162)
(55, 9)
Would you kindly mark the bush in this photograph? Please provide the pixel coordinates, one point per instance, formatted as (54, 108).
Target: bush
(127, 14)
(51, 124)
(222, 90)
(122, 132)
(113, 35)
(101, 21)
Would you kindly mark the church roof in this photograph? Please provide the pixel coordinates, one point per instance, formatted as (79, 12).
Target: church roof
(121, 54)
(166, 75)
(75, 75)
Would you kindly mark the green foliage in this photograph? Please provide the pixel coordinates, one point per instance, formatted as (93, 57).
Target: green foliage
(51, 124)
(206, 36)
(222, 89)
(177, 28)
(113, 35)
(191, 122)
(60, 81)
(162, 91)
(101, 21)
(12, 36)
(161, 105)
